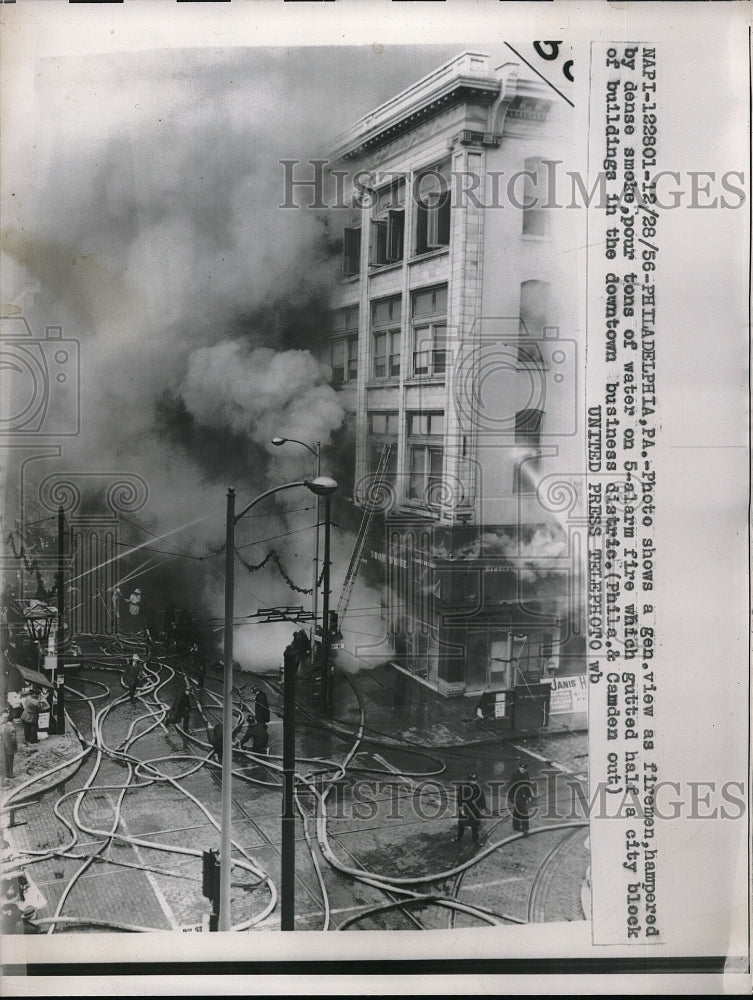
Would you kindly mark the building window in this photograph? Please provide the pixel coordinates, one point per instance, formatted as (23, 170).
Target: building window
(425, 457)
(528, 438)
(388, 225)
(383, 429)
(344, 348)
(386, 317)
(433, 203)
(351, 251)
(344, 361)
(383, 424)
(535, 215)
(429, 317)
(534, 316)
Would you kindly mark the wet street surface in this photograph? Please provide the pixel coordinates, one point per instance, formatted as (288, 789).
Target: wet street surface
(118, 844)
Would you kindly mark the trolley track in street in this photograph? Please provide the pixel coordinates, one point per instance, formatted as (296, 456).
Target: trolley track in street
(109, 818)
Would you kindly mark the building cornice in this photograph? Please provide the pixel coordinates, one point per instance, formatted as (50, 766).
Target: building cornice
(466, 78)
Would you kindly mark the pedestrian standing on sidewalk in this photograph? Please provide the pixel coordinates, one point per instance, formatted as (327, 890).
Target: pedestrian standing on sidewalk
(15, 705)
(261, 705)
(471, 803)
(10, 918)
(519, 798)
(44, 717)
(30, 716)
(8, 744)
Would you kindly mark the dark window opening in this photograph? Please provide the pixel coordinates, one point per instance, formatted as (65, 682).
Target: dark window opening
(433, 206)
(351, 251)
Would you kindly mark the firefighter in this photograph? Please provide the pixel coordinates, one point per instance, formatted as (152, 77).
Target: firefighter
(180, 713)
(471, 803)
(215, 737)
(290, 659)
(261, 705)
(301, 644)
(519, 798)
(132, 676)
(256, 730)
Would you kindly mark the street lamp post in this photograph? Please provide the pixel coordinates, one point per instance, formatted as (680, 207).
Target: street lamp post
(326, 634)
(38, 620)
(320, 486)
(60, 638)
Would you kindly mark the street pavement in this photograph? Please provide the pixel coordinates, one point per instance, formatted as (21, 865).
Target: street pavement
(117, 844)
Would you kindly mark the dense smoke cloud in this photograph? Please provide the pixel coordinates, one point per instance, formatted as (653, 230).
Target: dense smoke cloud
(140, 213)
(261, 392)
(155, 234)
(148, 227)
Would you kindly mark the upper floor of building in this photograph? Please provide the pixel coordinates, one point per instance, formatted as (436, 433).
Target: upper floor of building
(455, 334)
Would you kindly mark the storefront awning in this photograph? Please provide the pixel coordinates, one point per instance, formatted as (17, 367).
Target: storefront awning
(32, 676)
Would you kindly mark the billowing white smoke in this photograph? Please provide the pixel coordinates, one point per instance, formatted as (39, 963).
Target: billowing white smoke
(150, 230)
(142, 194)
(531, 557)
(261, 392)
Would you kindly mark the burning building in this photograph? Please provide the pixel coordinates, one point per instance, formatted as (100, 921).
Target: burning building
(455, 351)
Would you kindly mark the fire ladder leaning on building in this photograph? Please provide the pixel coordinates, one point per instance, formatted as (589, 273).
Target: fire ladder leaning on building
(371, 505)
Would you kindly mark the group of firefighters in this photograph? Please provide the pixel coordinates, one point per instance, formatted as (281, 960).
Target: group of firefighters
(255, 728)
(255, 723)
(470, 798)
(471, 804)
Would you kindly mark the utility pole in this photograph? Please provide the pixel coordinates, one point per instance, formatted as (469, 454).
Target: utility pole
(227, 717)
(290, 663)
(326, 634)
(60, 637)
(317, 509)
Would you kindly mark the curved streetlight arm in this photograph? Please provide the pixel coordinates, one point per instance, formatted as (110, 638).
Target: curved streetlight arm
(279, 441)
(262, 496)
